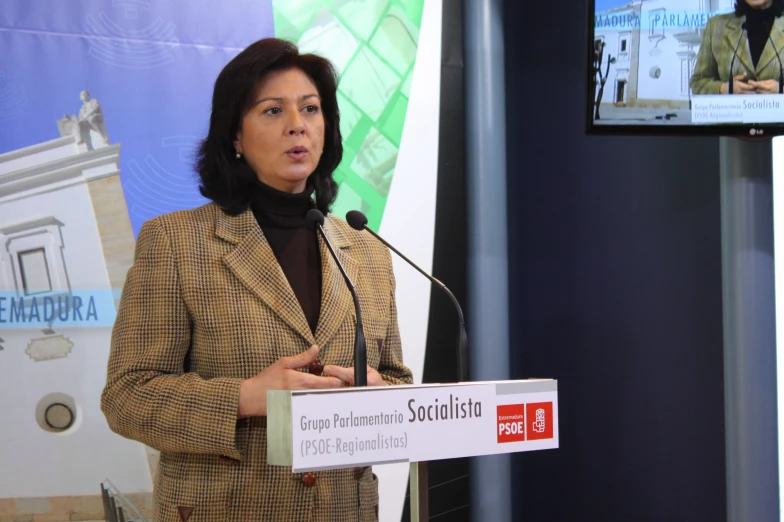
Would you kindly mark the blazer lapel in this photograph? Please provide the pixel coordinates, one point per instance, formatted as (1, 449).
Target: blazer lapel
(336, 300)
(254, 263)
(733, 32)
(768, 53)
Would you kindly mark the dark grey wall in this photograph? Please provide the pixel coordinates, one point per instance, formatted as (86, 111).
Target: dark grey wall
(615, 268)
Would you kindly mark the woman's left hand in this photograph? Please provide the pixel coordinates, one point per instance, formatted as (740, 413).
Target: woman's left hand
(765, 86)
(347, 375)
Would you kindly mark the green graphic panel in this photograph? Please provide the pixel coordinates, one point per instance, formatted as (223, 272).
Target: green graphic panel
(373, 44)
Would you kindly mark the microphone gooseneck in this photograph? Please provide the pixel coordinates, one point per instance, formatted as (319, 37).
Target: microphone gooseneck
(735, 55)
(314, 219)
(358, 221)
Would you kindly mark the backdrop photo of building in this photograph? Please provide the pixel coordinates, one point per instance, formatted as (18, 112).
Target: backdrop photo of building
(75, 189)
(67, 245)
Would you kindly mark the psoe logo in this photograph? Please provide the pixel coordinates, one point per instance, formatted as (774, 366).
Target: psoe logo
(539, 420)
(511, 423)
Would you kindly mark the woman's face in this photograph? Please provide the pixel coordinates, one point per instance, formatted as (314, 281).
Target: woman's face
(759, 4)
(282, 135)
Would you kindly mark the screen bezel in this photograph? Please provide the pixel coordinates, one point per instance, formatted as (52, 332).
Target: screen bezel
(751, 131)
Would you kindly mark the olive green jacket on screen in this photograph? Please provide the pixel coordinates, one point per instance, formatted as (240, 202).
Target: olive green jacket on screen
(719, 40)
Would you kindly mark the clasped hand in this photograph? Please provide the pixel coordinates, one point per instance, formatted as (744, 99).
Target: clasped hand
(284, 375)
(743, 85)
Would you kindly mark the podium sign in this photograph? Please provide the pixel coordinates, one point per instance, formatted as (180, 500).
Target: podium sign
(312, 430)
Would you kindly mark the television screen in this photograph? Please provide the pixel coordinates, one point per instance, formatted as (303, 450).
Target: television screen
(664, 66)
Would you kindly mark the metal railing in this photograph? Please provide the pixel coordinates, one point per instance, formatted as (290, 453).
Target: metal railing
(116, 507)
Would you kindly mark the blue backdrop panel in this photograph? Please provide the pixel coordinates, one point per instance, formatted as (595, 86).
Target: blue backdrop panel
(150, 63)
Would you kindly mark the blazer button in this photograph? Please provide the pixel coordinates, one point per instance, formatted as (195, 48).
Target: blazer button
(316, 367)
(309, 479)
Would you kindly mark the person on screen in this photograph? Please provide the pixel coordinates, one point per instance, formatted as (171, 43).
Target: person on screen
(237, 297)
(755, 68)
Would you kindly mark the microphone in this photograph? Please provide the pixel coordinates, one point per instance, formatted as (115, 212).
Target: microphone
(781, 67)
(735, 55)
(314, 219)
(358, 221)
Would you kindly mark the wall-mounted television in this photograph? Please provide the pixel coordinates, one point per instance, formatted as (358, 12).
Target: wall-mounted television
(664, 67)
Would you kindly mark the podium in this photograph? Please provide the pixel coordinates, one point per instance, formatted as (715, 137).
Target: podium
(316, 430)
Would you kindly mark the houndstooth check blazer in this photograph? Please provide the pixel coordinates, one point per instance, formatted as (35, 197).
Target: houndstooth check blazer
(206, 305)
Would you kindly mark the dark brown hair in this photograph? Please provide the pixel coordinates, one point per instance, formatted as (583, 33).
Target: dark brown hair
(227, 180)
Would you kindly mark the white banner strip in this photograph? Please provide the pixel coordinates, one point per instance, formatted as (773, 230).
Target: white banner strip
(738, 108)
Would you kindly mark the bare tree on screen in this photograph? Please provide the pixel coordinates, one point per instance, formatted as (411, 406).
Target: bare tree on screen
(599, 76)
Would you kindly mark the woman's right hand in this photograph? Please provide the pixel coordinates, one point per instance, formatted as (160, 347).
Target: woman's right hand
(281, 375)
(739, 85)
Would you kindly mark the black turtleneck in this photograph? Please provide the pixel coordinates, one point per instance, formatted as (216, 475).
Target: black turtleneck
(281, 216)
(759, 23)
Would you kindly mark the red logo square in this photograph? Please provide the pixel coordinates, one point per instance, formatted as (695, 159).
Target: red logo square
(539, 420)
(511, 423)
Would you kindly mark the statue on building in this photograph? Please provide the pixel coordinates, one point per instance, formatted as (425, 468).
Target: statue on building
(90, 118)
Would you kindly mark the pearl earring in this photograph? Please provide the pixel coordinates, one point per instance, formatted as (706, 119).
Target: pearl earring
(239, 155)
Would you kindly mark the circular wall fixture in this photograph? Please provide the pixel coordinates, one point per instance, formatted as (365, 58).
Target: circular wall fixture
(57, 413)
(655, 71)
(59, 416)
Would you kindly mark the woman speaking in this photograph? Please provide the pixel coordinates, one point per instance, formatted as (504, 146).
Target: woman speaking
(744, 47)
(237, 297)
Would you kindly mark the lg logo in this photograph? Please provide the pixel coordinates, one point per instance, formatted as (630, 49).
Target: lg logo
(757, 132)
